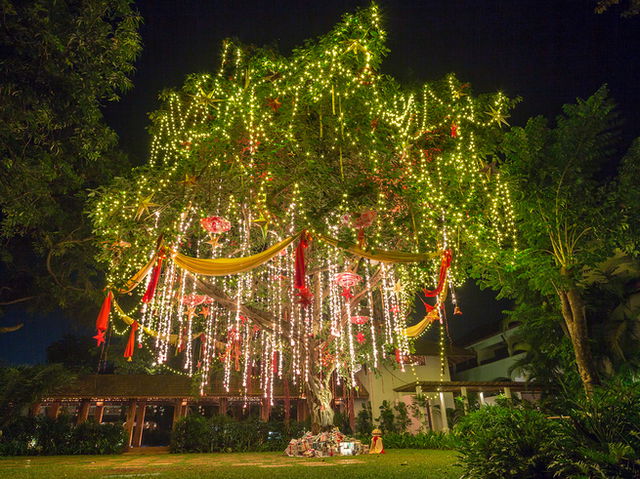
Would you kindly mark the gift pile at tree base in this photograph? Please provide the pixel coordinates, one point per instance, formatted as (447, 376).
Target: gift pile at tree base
(325, 444)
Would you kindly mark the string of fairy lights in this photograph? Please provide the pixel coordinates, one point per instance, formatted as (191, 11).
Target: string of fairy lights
(319, 141)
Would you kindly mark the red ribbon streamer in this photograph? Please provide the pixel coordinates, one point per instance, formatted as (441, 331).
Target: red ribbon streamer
(128, 351)
(444, 267)
(102, 321)
(299, 279)
(151, 288)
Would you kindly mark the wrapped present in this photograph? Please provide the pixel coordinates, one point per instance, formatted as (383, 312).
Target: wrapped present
(327, 443)
(292, 448)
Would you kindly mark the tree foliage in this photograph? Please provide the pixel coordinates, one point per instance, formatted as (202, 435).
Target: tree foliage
(313, 141)
(61, 62)
(574, 212)
(23, 386)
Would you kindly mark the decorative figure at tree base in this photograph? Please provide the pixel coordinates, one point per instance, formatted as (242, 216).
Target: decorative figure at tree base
(376, 442)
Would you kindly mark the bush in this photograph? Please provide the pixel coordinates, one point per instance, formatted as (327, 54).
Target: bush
(364, 421)
(423, 440)
(601, 439)
(45, 436)
(506, 442)
(195, 433)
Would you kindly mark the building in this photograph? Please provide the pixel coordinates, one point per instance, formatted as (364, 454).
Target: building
(149, 406)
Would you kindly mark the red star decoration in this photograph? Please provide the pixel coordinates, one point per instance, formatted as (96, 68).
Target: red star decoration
(99, 337)
(360, 338)
(346, 292)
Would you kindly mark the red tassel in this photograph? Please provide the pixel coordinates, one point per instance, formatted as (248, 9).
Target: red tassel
(444, 267)
(102, 322)
(151, 289)
(128, 351)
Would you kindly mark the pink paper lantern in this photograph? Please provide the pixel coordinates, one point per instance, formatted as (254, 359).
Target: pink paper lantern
(359, 319)
(215, 224)
(347, 279)
(365, 219)
(194, 299)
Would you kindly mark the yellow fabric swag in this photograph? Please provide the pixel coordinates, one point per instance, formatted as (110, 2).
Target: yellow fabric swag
(225, 266)
(383, 255)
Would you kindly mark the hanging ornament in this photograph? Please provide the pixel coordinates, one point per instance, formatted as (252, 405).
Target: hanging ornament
(215, 224)
(194, 299)
(347, 280)
(454, 130)
(361, 338)
(144, 205)
(359, 319)
(457, 311)
(364, 220)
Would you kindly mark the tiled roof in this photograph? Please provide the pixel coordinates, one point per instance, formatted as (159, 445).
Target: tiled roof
(162, 386)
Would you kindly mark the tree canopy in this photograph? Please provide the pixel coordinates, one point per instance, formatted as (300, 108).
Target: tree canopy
(389, 185)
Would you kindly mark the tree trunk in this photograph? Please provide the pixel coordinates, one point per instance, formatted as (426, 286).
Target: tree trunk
(573, 312)
(319, 398)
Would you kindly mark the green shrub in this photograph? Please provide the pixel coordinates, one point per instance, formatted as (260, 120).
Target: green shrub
(195, 433)
(45, 436)
(601, 438)
(423, 440)
(386, 420)
(506, 442)
(397, 422)
(364, 421)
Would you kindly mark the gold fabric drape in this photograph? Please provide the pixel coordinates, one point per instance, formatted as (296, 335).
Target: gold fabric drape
(139, 276)
(382, 255)
(225, 266)
(417, 329)
(173, 338)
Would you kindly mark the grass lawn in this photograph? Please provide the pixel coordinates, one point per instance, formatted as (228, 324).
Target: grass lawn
(398, 463)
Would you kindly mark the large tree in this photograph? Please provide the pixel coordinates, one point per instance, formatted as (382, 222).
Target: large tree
(574, 213)
(386, 183)
(62, 60)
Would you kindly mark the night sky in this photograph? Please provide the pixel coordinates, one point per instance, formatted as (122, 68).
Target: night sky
(547, 51)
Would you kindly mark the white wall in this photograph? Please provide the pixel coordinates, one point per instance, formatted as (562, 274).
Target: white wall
(381, 384)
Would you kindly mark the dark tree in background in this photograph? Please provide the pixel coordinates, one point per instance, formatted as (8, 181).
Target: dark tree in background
(577, 202)
(61, 61)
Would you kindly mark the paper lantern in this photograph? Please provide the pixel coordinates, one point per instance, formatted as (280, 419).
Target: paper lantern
(215, 224)
(359, 319)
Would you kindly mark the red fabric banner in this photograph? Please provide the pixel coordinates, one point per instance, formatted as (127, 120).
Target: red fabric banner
(102, 321)
(444, 267)
(128, 351)
(299, 280)
(151, 289)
